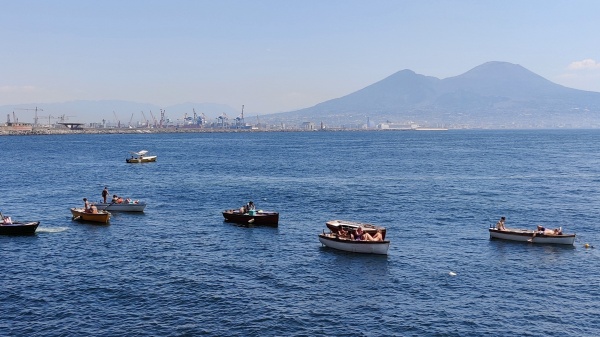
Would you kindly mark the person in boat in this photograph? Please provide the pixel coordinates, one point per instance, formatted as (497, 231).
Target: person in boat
(104, 194)
(116, 199)
(500, 224)
(86, 206)
(541, 230)
(251, 206)
(6, 220)
(377, 237)
(341, 233)
(359, 235)
(93, 209)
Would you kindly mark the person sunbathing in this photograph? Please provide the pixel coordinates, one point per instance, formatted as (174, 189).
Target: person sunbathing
(377, 237)
(541, 230)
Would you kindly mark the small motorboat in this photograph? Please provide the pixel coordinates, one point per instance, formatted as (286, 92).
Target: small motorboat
(532, 236)
(123, 206)
(99, 216)
(252, 217)
(10, 227)
(334, 239)
(140, 157)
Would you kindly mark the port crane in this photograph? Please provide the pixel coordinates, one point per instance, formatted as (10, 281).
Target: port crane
(117, 119)
(146, 121)
(223, 118)
(63, 118)
(239, 120)
(153, 119)
(35, 119)
(49, 118)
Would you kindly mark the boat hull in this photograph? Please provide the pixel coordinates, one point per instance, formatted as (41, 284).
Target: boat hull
(114, 207)
(523, 235)
(19, 228)
(364, 247)
(80, 214)
(259, 218)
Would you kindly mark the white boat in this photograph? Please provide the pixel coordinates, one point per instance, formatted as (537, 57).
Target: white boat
(140, 157)
(134, 206)
(346, 243)
(367, 247)
(532, 236)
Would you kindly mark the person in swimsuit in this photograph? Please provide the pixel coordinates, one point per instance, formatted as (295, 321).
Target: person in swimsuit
(104, 194)
(86, 206)
(341, 233)
(500, 224)
(358, 235)
(377, 237)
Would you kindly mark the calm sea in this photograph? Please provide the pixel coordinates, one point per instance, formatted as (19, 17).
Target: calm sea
(179, 270)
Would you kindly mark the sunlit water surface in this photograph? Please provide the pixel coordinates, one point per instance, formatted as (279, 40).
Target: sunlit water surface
(179, 270)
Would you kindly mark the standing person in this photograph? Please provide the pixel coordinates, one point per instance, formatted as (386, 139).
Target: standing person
(104, 194)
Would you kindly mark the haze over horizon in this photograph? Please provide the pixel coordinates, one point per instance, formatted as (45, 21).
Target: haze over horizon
(274, 56)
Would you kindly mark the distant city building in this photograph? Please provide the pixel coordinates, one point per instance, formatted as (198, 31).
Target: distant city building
(17, 127)
(308, 126)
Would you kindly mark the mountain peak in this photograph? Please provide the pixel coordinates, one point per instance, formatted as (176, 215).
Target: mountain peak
(493, 94)
(499, 70)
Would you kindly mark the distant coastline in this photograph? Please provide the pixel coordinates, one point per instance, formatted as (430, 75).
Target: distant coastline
(107, 131)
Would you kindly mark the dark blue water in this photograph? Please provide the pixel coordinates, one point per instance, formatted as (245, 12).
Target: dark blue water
(179, 270)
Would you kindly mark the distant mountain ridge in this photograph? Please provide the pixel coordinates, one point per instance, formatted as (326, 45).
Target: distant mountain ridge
(494, 94)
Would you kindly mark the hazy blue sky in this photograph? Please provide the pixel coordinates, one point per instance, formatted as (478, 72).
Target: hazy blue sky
(278, 55)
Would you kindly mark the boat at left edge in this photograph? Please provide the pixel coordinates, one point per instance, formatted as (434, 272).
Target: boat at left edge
(10, 227)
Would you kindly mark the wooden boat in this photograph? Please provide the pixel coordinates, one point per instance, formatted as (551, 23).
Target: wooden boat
(134, 206)
(348, 245)
(81, 214)
(527, 235)
(334, 240)
(352, 226)
(9, 227)
(252, 217)
(140, 157)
